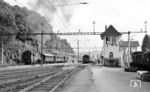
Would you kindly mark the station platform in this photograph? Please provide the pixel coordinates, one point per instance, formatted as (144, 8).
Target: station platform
(13, 67)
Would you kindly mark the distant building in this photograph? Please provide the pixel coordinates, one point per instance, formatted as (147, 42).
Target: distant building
(124, 49)
(111, 53)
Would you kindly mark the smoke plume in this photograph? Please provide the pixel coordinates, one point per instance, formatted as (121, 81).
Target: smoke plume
(48, 8)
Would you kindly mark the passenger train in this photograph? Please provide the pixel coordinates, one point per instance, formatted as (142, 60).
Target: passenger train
(28, 58)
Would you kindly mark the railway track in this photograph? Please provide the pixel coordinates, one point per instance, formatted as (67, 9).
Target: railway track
(15, 80)
(51, 83)
(20, 74)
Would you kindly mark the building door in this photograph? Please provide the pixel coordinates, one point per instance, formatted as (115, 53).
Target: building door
(111, 55)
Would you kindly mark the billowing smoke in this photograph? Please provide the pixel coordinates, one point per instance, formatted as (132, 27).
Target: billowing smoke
(36, 24)
(51, 9)
(48, 8)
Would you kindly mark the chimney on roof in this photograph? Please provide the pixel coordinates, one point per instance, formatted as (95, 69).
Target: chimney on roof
(105, 27)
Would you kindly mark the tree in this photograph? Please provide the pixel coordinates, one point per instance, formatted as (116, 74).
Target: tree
(22, 25)
(7, 21)
(7, 17)
(14, 19)
(146, 43)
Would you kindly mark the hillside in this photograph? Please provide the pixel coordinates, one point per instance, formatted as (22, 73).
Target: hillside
(14, 19)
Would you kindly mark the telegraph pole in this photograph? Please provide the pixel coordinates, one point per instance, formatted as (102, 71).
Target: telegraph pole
(78, 49)
(42, 44)
(128, 56)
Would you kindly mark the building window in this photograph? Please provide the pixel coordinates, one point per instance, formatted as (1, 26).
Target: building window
(111, 55)
(107, 40)
(114, 40)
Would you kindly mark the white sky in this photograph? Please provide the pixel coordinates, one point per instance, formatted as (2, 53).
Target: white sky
(124, 15)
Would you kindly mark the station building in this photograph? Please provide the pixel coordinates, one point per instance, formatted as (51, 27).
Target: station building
(111, 54)
(114, 51)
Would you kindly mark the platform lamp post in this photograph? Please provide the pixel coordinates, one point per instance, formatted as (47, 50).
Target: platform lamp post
(128, 62)
(129, 45)
(78, 47)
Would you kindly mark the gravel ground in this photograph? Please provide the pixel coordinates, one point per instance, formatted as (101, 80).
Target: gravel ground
(68, 83)
(85, 84)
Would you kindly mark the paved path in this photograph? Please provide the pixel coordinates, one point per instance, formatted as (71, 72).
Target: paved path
(105, 80)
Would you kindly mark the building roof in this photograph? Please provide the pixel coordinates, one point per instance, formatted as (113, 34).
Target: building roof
(110, 31)
(132, 43)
